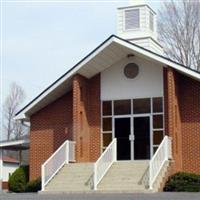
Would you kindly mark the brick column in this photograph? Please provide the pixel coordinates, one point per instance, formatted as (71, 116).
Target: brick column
(95, 118)
(86, 117)
(80, 119)
(172, 115)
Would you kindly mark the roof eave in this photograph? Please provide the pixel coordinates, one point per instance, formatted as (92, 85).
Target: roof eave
(24, 113)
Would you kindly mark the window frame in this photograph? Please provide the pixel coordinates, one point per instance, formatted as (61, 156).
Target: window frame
(151, 114)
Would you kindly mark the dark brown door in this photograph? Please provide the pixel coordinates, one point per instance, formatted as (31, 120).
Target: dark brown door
(122, 132)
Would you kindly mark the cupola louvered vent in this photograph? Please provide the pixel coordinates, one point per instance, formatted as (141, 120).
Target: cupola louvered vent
(132, 19)
(137, 23)
(151, 21)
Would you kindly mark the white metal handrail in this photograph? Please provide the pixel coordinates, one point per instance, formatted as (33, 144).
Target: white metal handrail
(63, 155)
(104, 162)
(162, 154)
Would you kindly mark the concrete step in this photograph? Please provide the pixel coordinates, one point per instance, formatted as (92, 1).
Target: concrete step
(72, 177)
(124, 175)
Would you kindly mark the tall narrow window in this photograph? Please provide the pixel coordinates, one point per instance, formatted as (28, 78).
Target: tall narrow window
(151, 21)
(132, 19)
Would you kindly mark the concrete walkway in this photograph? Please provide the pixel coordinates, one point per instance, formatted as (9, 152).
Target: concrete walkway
(97, 196)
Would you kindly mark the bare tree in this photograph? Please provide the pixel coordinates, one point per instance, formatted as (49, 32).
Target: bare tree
(14, 99)
(179, 31)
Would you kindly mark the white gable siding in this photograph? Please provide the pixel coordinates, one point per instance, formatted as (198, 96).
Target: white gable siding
(147, 43)
(148, 83)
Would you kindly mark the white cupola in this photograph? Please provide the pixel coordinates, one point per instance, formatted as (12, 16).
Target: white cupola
(137, 23)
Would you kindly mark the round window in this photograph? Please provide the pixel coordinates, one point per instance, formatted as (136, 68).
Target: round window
(131, 70)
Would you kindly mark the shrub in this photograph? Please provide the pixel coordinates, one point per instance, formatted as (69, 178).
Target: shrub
(183, 182)
(18, 180)
(34, 186)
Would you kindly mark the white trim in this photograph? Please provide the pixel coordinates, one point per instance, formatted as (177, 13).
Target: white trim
(132, 116)
(68, 75)
(148, 54)
(13, 143)
(106, 163)
(158, 58)
(21, 116)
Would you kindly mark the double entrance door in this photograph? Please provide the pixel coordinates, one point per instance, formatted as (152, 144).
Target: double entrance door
(133, 137)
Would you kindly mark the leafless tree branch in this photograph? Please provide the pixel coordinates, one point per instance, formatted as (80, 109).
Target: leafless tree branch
(14, 99)
(179, 31)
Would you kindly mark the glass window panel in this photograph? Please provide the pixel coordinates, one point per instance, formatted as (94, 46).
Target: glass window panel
(157, 121)
(107, 108)
(122, 107)
(107, 138)
(107, 124)
(157, 104)
(141, 106)
(157, 137)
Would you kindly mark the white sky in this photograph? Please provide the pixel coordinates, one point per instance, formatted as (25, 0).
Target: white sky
(41, 41)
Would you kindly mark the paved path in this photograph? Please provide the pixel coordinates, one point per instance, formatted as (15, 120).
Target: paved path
(156, 196)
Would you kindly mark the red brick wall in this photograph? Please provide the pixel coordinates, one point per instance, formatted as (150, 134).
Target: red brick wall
(74, 116)
(182, 110)
(50, 127)
(189, 99)
(86, 117)
(5, 185)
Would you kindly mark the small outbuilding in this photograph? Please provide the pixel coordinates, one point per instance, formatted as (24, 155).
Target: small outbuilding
(7, 164)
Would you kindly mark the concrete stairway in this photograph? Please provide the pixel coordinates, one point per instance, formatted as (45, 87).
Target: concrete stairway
(72, 177)
(124, 176)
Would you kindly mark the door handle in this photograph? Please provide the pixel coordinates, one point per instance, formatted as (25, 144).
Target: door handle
(131, 137)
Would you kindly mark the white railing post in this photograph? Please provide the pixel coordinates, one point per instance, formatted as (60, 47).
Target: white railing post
(95, 176)
(115, 151)
(166, 149)
(170, 147)
(43, 177)
(56, 161)
(104, 162)
(162, 154)
(150, 175)
(67, 152)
